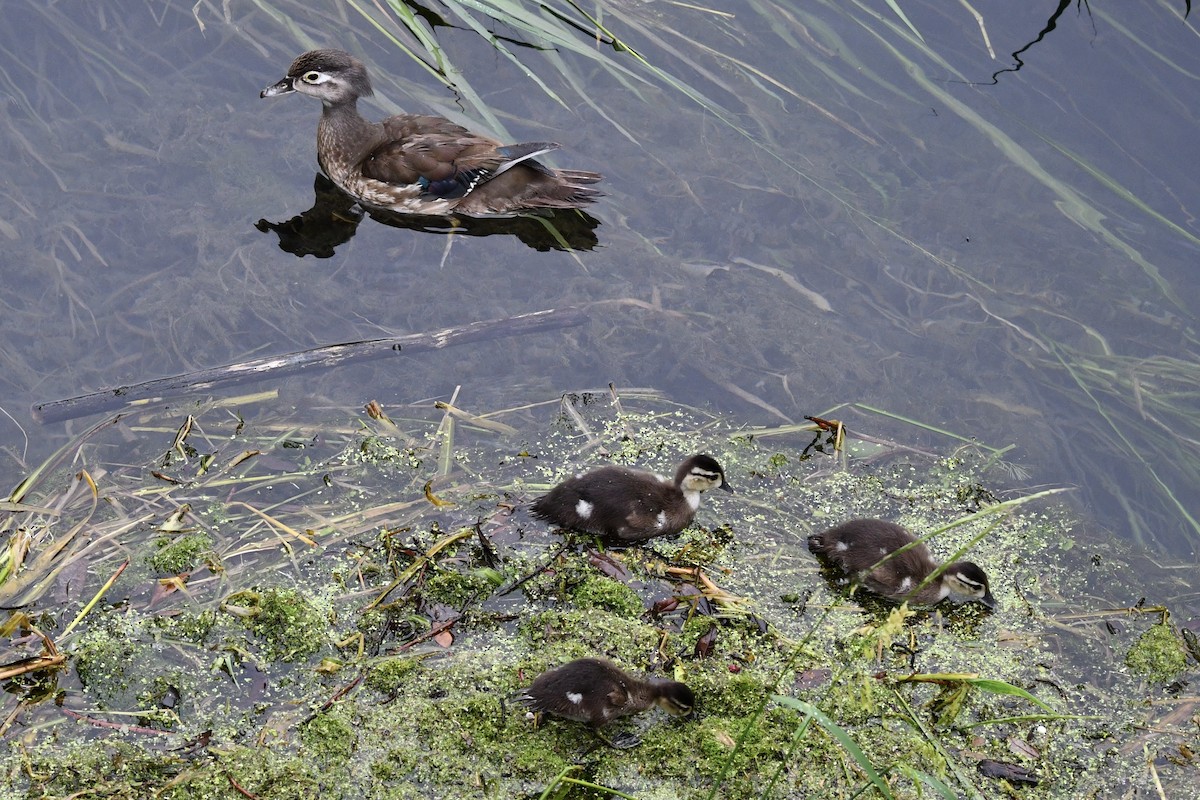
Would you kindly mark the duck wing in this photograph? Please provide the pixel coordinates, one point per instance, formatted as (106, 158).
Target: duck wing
(608, 501)
(445, 159)
(900, 575)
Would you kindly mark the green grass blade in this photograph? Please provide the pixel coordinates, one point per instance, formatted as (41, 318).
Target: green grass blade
(917, 776)
(899, 12)
(839, 733)
(1003, 687)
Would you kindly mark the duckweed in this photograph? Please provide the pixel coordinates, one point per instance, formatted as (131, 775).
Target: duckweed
(179, 555)
(606, 594)
(436, 717)
(287, 625)
(1158, 654)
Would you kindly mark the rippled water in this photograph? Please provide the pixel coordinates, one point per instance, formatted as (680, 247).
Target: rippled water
(902, 230)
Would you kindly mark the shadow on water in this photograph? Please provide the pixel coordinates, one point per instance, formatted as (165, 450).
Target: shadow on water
(335, 216)
(1051, 25)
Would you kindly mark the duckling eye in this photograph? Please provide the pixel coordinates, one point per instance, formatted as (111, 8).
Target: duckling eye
(312, 76)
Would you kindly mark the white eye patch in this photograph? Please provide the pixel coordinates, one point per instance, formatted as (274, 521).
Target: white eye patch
(968, 583)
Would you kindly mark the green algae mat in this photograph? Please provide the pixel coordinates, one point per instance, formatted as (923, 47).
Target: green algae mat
(216, 606)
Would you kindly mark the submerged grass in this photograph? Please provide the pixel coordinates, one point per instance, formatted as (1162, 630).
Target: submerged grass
(347, 612)
(537, 36)
(716, 62)
(552, 26)
(637, 48)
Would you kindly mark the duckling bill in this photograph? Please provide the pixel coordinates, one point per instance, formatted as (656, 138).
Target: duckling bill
(597, 692)
(416, 164)
(631, 505)
(856, 546)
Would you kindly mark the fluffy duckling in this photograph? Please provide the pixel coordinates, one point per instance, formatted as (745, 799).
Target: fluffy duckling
(631, 505)
(856, 546)
(414, 164)
(597, 692)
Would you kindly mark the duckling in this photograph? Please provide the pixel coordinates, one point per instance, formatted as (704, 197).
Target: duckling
(859, 544)
(597, 692)
(631, 505)
(414, 164)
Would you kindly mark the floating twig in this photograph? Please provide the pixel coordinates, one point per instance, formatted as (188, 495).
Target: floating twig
(204, 380)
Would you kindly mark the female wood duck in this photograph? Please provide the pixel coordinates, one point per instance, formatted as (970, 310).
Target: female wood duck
(856, 546)
(414, 164)
(597, 692)
(631, 505)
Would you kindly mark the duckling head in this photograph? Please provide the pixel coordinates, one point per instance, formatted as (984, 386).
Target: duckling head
(966, 579)
(700, 473)
(675, 698)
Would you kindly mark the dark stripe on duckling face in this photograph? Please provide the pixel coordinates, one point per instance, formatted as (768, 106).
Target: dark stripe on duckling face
(967, 580)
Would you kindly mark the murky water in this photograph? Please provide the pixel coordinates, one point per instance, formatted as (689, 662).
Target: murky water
(1008, 259)
(913, 227)
(842, 219)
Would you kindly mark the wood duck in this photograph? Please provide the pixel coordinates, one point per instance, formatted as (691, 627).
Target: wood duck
(631, 505)
(414, 164)
(597, 692)
(858, 545)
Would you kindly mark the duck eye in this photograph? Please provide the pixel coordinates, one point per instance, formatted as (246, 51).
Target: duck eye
(312, 76)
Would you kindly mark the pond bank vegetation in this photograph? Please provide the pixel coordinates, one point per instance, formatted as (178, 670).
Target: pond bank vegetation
(254, 607)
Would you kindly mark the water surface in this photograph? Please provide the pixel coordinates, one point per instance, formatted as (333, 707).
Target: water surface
(910, 225)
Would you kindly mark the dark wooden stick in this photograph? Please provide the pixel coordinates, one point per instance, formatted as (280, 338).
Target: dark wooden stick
(153, 391)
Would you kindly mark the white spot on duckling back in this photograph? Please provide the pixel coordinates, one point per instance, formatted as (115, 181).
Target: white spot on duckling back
(575, 697)
(841, 547)
(906, 584)
(883, 551)
(664, 478)
(584, 509)
(661, 520)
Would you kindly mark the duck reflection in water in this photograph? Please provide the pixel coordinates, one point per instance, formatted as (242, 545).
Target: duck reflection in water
(335, 216)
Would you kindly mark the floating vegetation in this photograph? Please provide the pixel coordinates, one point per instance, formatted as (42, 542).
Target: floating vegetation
(361, 608)
(706, 64)
(1158, 654)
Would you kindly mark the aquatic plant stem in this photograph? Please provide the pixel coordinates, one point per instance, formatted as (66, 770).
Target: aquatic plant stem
(83, 612)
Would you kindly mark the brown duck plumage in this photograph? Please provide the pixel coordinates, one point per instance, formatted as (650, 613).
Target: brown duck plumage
(628, 504)
(597, 692)
(859, 544)
(415, 164)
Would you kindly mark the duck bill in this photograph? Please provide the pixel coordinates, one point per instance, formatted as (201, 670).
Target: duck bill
(283, 87)
(988, 601)
(725, 485)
